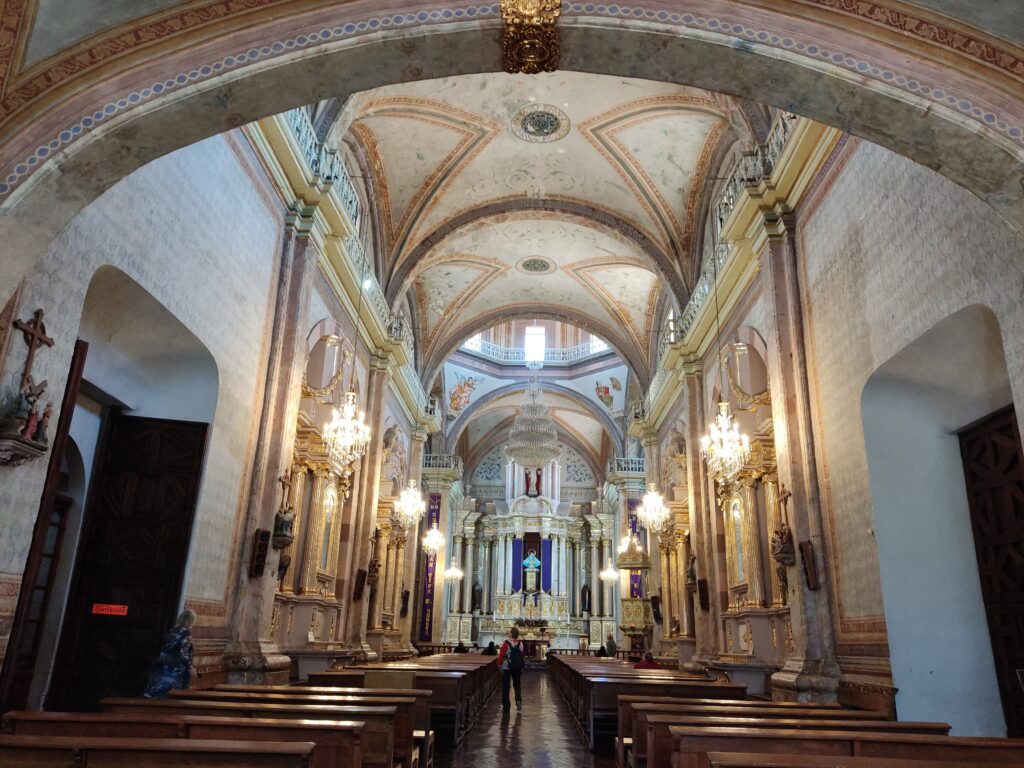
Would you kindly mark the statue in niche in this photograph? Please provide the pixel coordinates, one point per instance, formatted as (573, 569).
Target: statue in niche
(674, 627)
(284, 520)
(585, 599)
(282, 566)
(393, 461)
(783, 552)
(405, 604)
(691, 570)
(532, 565)
(478, 594)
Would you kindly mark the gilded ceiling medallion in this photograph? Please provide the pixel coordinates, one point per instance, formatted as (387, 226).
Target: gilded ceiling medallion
(530, 43)
(540, 123)
(536, 265)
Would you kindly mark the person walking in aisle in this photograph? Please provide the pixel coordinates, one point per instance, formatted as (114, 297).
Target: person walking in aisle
(511, 660)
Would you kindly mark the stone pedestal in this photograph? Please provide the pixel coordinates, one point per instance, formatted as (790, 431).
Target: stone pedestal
(256, 663)
(686, 646)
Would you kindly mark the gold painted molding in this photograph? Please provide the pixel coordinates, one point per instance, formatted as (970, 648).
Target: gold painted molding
(531, 42)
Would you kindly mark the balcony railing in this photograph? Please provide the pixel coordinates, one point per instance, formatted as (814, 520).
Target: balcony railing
(578, 495)
(442, 461)
(553, 356)
(621, 465)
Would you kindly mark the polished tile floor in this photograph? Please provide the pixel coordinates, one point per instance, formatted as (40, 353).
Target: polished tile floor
(543, 735)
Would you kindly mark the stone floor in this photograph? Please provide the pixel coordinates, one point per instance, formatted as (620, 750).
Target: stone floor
(543, 735)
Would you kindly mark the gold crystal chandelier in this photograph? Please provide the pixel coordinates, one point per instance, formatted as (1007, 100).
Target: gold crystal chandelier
(610, 573)
(347, 435)
(410, 506)
(453, 573)
(652, 512)
(725, 448)
(532, 438)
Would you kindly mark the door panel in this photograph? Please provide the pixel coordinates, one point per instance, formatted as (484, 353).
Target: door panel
(994, 470)
(131, 558)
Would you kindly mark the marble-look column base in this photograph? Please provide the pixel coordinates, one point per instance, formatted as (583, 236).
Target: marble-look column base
(256, 663)
(803, 680)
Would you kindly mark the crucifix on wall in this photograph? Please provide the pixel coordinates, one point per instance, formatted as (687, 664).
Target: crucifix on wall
(34, 333)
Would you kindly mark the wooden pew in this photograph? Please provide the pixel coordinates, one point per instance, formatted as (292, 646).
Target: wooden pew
(601, 706)
(733, 760)
(337, 743)
(635, 738)
(653, 729)
(378, 734)
(690, 746)
(738, 708)
(65, 751)
(405, 747)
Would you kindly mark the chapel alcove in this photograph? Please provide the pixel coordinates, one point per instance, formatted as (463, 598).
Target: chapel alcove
(147, 398)
(913, 406)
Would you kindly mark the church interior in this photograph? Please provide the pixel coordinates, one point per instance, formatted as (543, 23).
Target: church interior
(672, 347)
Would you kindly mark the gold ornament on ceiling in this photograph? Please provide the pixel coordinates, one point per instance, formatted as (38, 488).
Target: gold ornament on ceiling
(530, 43)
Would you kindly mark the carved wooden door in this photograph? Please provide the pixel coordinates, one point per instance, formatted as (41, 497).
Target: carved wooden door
(131, 559)
(994, 469)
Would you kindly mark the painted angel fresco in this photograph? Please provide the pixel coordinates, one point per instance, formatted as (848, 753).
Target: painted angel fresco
(459, 397)
(604, 394)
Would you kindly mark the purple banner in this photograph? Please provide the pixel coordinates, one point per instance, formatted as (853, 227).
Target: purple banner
(517, 564)
(634, 521)
(429, 572)
(636, 584)
(545, 564)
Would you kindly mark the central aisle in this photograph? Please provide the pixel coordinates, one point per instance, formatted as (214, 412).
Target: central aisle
(543, 735)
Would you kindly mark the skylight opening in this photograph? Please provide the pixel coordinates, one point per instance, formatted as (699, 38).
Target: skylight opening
(534, 344)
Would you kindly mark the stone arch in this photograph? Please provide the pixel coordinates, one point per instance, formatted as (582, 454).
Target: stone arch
(113, 119)
(466, 416)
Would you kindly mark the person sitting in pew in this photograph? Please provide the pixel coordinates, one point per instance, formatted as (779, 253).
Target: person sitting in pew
(648, 662)
(490, 650)
(461, 648)
(601, 653)
(173, 669)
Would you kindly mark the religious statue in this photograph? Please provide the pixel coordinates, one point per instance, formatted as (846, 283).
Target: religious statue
(532, 566)
(674, 627)
(783, 552)
(691, 570)
(585, 599)
(284, 520)
(23, 428)
(282, 566)
(478, 594)
(405, 604)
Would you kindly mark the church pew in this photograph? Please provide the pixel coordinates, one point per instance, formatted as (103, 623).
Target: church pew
(378, 734)
(338, 743)
(447, 697)
(734, 760)
(628, 705)
(404, 709)
(690, 746)
(601, 706)
(423, 736)
(652, 739)
(65, 751)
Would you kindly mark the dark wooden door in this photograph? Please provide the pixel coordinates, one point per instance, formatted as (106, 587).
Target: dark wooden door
(994, 469)
(131, 559)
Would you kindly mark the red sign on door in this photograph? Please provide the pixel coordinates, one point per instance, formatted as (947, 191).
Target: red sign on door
(103, 609)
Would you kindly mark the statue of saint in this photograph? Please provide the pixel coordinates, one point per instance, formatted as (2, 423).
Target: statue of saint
(532, 566)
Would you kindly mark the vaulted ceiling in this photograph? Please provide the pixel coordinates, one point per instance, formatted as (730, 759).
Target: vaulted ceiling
(571, 195)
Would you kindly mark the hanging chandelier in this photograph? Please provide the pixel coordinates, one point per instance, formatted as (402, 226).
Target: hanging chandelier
(610, 573)
(410, 506)
(453, 573)
(347, 435)
(433, 542)
(532, 438)
(652, 512)
(725, 448)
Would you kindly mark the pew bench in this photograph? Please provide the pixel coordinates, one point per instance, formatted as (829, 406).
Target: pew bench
(691, 746)
(337, 743)
(64, 751)
(733, 760)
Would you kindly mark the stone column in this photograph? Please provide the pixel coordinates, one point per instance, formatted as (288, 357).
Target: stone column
(488, 605)
(678, 582)
(315, 533)
(609, 606)
(394, 556)
(365, 522)
(664, 542)
(455, 605)
(706, 629)
(811, 672)
(687, 619)
(773, 512)
(469, 579)
(595, 590)
(563, 567)
(251, 655)
(508, 563)
(291, 582)
(412, 540)
(396, 592)
(752, 543)
(577, 576)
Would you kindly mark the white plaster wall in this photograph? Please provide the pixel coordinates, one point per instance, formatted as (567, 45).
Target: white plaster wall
(892, 250)
(939, 642)
(192, 229)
